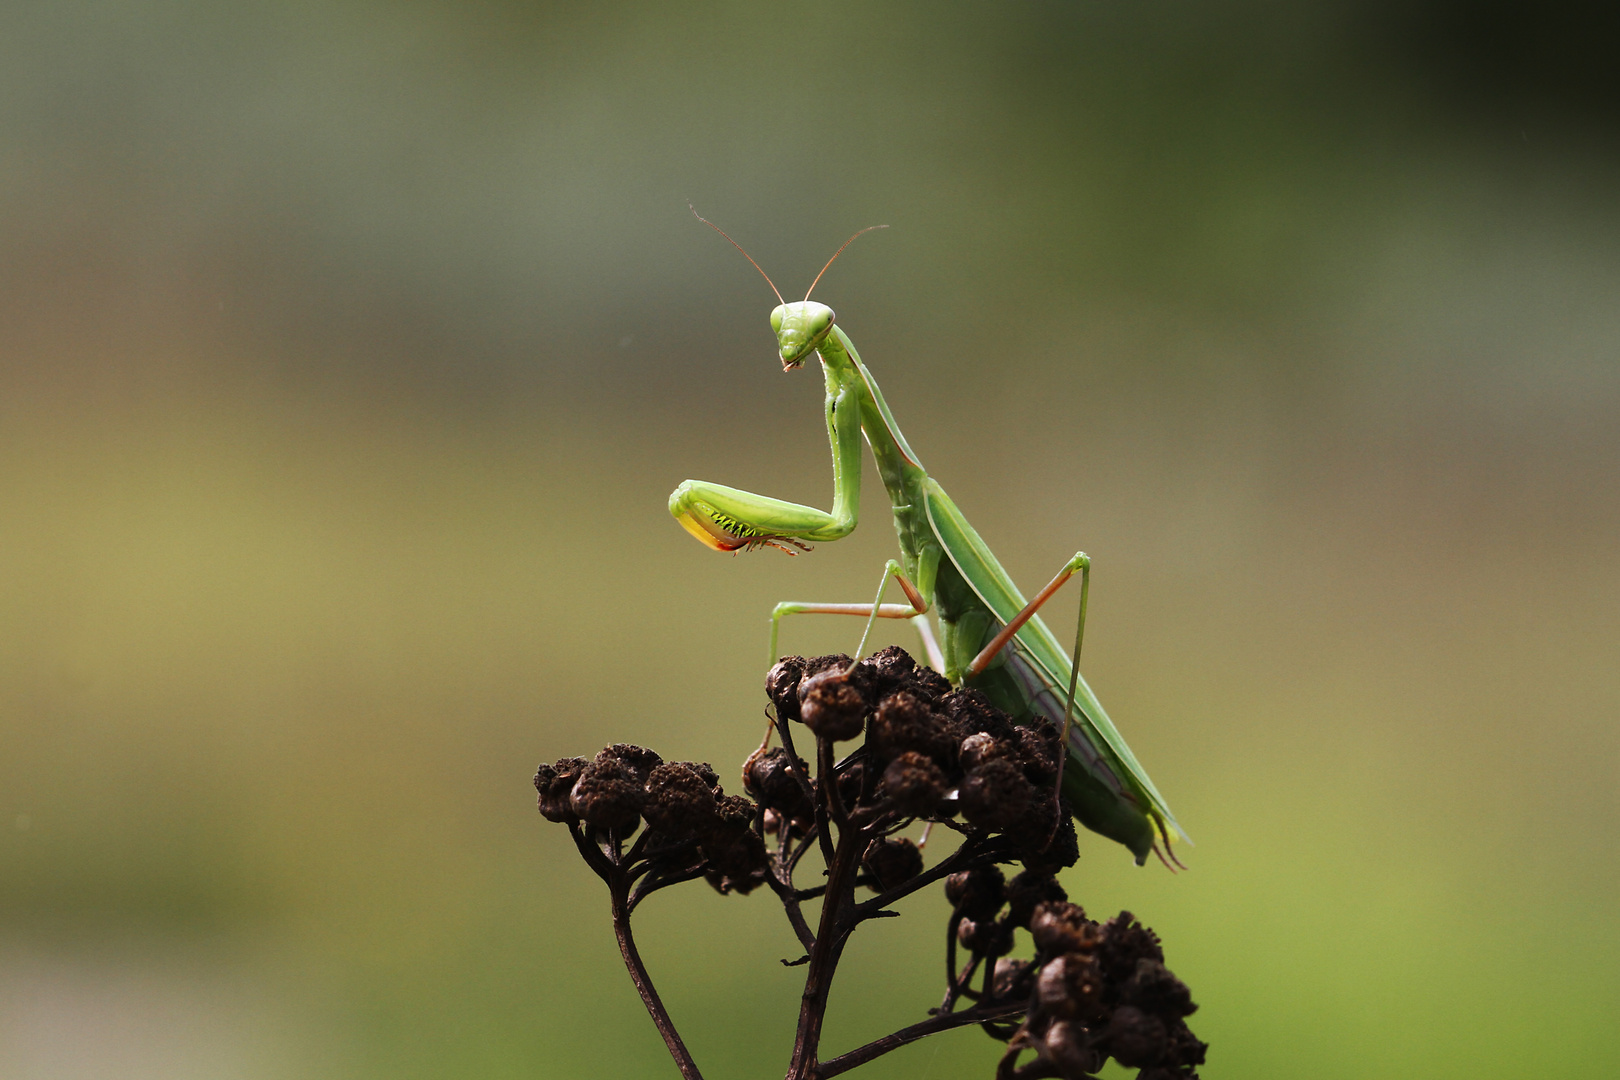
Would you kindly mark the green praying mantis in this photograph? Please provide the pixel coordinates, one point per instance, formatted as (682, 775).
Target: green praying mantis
(989, 638)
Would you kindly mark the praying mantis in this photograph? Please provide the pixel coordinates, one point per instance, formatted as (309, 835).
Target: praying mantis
(989, 638)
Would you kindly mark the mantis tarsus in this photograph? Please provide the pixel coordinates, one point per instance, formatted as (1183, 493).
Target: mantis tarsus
(944, 568)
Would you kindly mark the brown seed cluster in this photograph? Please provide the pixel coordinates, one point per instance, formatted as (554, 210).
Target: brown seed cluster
(692, 823)
(1101, 990)
(929, 752)
(988, 909)
(1092, 991)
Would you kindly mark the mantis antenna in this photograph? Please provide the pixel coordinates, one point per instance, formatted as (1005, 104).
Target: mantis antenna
(837, 253)
(747, 256)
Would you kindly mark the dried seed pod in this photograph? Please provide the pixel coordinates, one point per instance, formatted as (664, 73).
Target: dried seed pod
(977, 894)
(782, 686)
(979, 748)
(832, 706)
(735, 812)
(680, 803)
(1062, 927)
(638, 759)
(905, 722)
(734, 855)
(1068, 1045)
(995, 795)
(1154, 989)
(893, 861)
(1012, 979)
(1136, 1039)
(1046, 849)
(890, 667)
(555, 783)
(608, 794)
(971, 712)
(914, 784)
(852, 782)
(767, 775)
(927, 684)
(1026, 891)
(1034, 826)
(1124, 942)
(737, 858)
(1070, 986)
(706, 771)
(1037, 751)
(985, 937)
(1185, 1051)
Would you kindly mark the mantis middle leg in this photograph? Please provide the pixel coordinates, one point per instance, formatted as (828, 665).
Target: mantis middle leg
(915, 609)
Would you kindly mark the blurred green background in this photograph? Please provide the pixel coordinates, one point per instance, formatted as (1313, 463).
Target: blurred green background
(349, 351)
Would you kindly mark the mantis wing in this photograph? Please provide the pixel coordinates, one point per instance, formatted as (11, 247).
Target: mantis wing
(1105, 750)
(1039, 664)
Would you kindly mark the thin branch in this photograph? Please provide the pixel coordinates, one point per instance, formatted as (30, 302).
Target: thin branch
(794, 768)
(593, 855)
(953, 984)
(962, 987)
(644, 985)
(965, 857)
(803, 849)
(823, 805)
(653, 884)
(933, 1025)
(638, 848)
(795, 914)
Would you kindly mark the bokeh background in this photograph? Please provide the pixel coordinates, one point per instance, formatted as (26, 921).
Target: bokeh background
(348, 352)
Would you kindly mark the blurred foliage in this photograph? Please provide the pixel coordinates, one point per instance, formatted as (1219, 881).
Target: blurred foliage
(348, 353)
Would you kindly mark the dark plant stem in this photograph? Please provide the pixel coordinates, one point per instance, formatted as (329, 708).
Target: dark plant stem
(943, 1022)
(618, 890)
(831, 935)
(828, 771)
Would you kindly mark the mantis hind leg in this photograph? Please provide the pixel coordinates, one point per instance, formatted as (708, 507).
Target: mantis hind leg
(915, 608)
(1082, 563)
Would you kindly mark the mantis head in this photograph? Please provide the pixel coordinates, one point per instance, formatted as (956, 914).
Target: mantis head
(799, 328)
